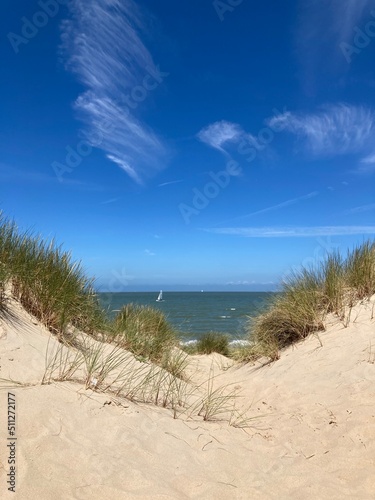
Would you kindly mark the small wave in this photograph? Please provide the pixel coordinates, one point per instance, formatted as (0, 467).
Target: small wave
(233, 343)
(239, 342)
(188, 342)
(232, 308)
(224, 317)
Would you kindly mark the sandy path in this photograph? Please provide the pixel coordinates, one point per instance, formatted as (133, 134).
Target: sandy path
(312, 435)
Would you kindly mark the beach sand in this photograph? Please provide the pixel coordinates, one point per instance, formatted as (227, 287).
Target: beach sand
(309, 426)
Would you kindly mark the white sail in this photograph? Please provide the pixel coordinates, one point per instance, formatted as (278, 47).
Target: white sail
(160, 296)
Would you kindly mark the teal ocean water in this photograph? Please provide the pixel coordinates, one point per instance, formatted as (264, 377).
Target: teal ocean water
(195, 313)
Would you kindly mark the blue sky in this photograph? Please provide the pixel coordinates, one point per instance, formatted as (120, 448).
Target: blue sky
(201, 144)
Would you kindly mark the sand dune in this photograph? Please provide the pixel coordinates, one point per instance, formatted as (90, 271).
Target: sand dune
(309, 433)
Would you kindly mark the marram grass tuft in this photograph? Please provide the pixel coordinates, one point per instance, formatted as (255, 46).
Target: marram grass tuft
(47, 282)
(307, 297)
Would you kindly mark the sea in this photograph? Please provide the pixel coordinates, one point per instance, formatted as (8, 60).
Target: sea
(196, 313)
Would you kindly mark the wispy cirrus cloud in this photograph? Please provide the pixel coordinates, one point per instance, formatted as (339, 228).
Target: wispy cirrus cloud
(124, 165)
(110, 201)
(335, 130)
(367, 165)
(170, 182)
(272, 208)
(219, 133)
(360, 209)
(15, 175)
(228, 137)
(293, 232)
(323, 25)
(322, 20)
(284, 204)
(103, 47)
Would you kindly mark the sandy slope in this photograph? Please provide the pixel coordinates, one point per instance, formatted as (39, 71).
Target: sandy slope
(312, 435)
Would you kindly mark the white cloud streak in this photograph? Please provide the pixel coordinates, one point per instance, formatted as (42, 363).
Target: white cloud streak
(219, 133)
(103, 48)
(11, 174)
(283, 204)
(361, 209)
(367, 165)
(322, 19)
(279, 206)
(125, 167)
(323, 25)
(170, 182)
(293, 232)
(336, 130)
(111, 200)
(369, 159)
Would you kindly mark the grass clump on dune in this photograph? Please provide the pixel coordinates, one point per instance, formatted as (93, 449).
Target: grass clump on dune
(308, 296)
(209, 342)
(360, 270)
(3, 280)
(213, 342)
(47, 282)
(144, 331)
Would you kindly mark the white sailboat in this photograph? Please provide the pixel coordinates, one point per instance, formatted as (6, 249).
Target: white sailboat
(160, 297)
